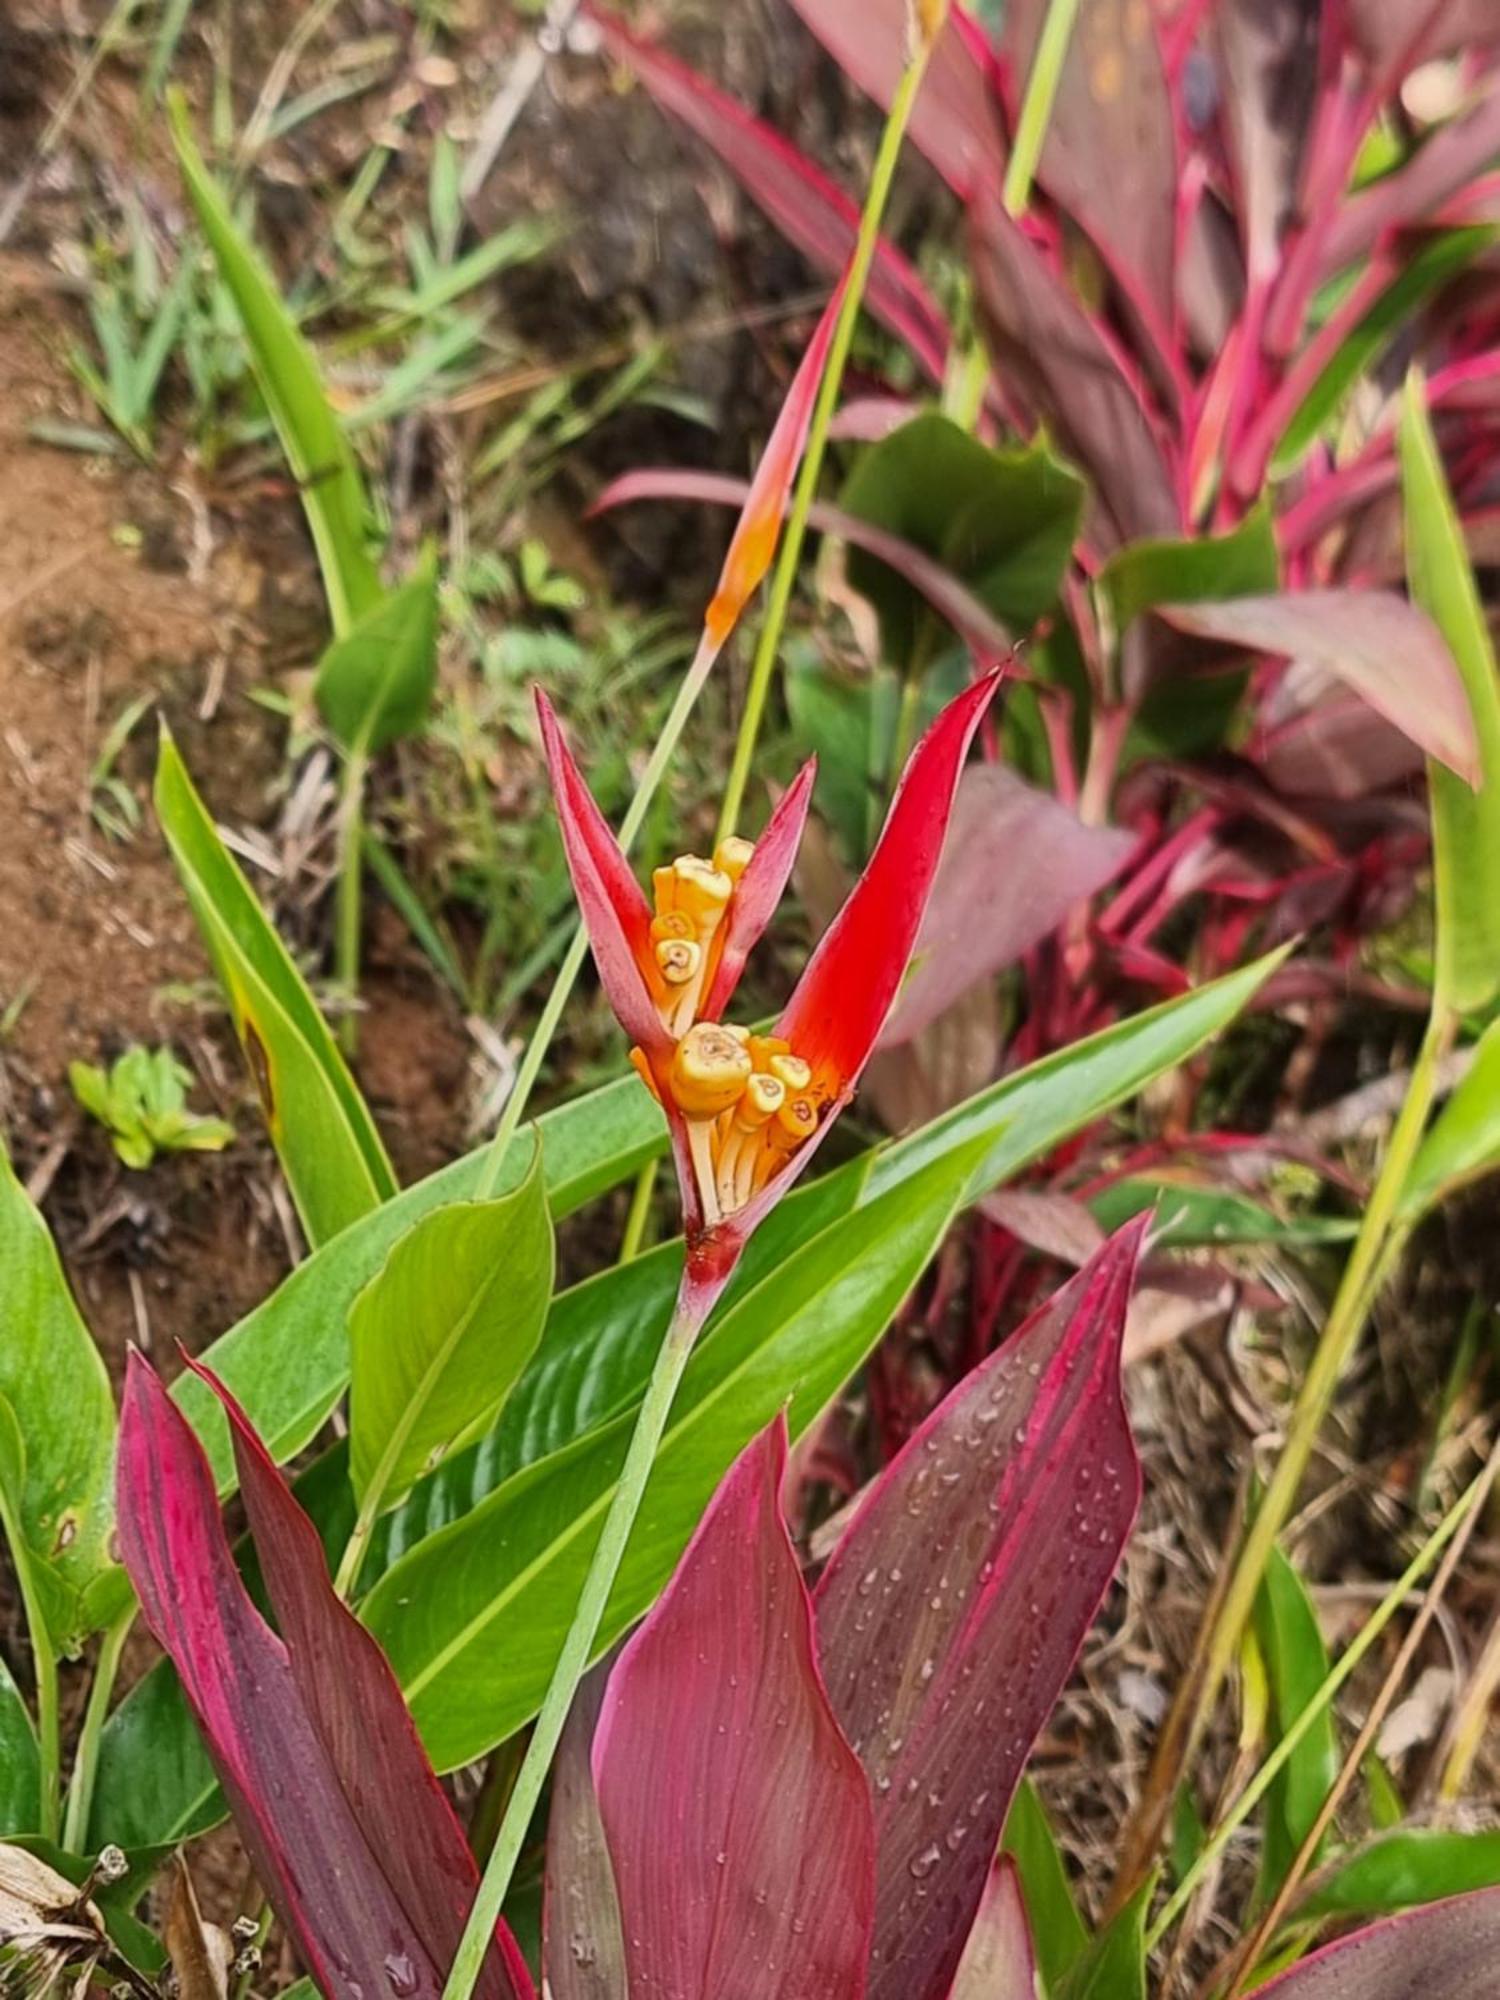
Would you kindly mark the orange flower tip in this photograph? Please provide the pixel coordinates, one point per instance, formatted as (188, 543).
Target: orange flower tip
(791, 1072)
(678, 960)
(709, 1071)
(640, 1063)
(699, 889)
(796, 1119)
(673, 925)
(722, 616)
(926, 21)
(762, 1099)
(732, 856)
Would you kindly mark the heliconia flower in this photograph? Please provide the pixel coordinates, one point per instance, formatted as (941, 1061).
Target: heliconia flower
(347, 1827)
(747, 1112)
(759, 527)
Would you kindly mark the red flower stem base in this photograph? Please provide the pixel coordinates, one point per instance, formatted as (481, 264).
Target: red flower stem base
(694, 1303)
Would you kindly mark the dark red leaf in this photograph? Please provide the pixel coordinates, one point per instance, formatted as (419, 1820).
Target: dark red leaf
(1383, 647)
(1057, 361)
(949, 597)
(351, 1893)
(1397, 35)
(1447, 1950)
(809, 209)
(956, 119)
(1268, 58)
(843, 998)
(759, 890)
(583, 1951)
(954, 1608)
(1445, 165)
(1014, 863)
(737, 1818)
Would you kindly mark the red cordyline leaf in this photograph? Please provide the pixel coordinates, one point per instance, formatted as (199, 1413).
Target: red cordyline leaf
(1447, 162)
(1449, 1950)
(737, 1817)
(1383, 647)
(952, 1611)
(986, 638)
(808, 208)
(998, 1962)
(345, 1824)
(583, 1948)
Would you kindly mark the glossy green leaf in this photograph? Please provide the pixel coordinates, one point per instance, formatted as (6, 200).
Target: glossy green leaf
(441, 1333)
(20, 1773)
(154, 1785)
(1296, 1662)
(1243, 563)
(319, 1124)
(1192, 1216)
(1401, 1870)
(1419, 273)
(316, 449)
(1004, 522)
(374, 684)
(1463, 1141)
(1465, 824)
(472, 1619)
(1113, 1964)
(53, 1380)
(1056, 1927)
(849, 723)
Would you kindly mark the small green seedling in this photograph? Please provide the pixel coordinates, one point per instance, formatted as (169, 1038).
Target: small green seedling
(141, 1101)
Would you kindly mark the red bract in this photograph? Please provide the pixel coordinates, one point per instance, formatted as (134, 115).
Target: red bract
(728, 1776)
(348, 1829)
(747, 1113)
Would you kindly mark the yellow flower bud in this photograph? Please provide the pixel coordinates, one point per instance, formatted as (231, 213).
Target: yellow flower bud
(732, 856)
(709, 1071)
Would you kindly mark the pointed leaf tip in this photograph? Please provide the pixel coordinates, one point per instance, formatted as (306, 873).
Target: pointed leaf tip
(717, 1727)
(760, 889)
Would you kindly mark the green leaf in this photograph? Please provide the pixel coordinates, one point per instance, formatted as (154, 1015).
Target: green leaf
(53, 1381)
(319, 1124)
(1056, 1927)
(1243, 563)
(374, 685)
(473, 1618)
(440, 1335)
(1463, 1141)
(316, 449)
(1420, 272)
(1004, 522)
(849, 723)
(1401, 1870)
(1113, 1967)
(1465, 824)
(1296, 1660)
(154, 1785)
(20, 1767)
(1189, 1216)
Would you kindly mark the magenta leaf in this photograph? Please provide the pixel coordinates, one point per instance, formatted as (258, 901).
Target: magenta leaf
(954, 1608)
(343, 1820)
(945, 592)
(1014, 863)
(956, 119)
(1386, 649)
(737, 1818)
(1448, 1950)
(805, 205)
(1110, 156)
(1053, 358)
(1394, 35)
(583, 1951)
(998, 1962)
(1444, 166)
(759, 891)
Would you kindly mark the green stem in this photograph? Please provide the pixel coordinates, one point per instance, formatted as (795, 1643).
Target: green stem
(1036, 108)
(640, 1213)
(790, 553)
(1356, 1650)
(577, 1647)
(347, 911)
(86, 1758)
(352, 1560)
(48, 1729)
(1369, 1263)
(567, 972)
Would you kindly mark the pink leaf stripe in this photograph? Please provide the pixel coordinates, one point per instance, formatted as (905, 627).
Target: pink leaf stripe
(583, 1951)
(1447, 1950)
(810, 210)
(1387, 650)
(760, 888)
(954, 1608)
(339, 1811)
(737, 1818)
(998, 1961)
(972, 620)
